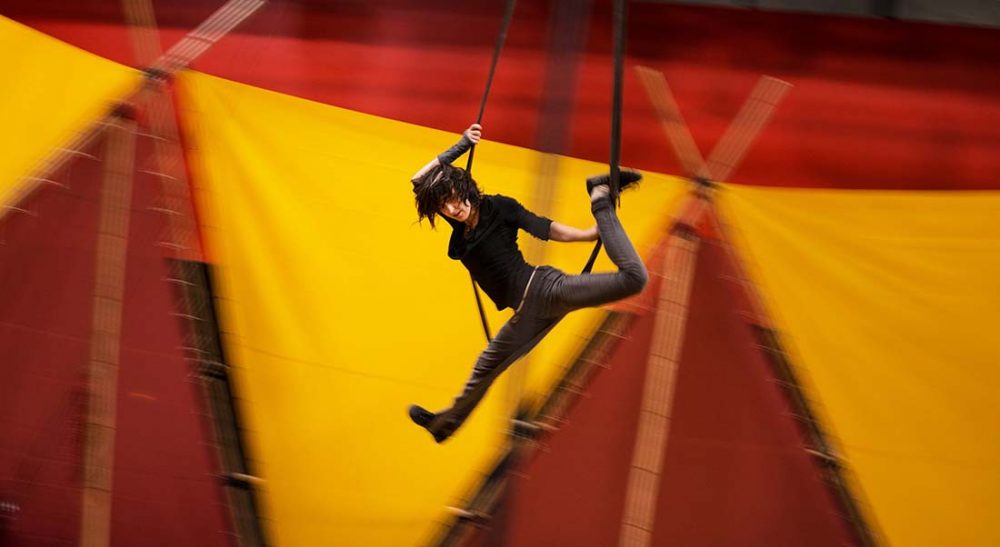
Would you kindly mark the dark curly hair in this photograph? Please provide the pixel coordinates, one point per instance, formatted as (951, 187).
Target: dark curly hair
(441, 183)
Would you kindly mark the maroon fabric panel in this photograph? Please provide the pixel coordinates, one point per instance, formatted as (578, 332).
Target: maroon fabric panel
(46, 283)
(734, 471)
(876, 103)
(572, 491)
(164, 491)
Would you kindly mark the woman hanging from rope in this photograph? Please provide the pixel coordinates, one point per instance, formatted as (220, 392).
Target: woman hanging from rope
(484, 238)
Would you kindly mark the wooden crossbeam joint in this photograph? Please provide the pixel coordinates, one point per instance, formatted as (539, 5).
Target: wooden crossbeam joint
(705, 183)
(684, 230)
(158, 75)
(124, 110)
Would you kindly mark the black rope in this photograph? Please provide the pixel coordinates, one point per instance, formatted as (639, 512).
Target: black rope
(593, 257)
(508, 15)
(616, 99)
(616, 115)
(482, 310)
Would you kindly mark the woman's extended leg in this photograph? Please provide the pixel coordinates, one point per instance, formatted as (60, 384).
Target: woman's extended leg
(516, 338)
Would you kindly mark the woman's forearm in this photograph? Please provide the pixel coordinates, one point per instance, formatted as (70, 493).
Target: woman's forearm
(562, 232)
(470, 137)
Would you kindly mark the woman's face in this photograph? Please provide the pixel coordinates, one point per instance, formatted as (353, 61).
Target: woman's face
(456, 208)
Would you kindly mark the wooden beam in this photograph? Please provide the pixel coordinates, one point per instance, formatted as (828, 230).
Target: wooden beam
(112, 244)
(109, 288)
(179, 57)
(655, 410)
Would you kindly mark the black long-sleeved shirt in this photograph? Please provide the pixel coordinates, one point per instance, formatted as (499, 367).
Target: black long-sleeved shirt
(490, 251)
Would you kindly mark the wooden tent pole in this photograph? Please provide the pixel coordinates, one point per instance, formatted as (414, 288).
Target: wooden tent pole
(725, 157)
(179, 57)
(677, 269)
(109, 287)
(193, 302)
(112, 244)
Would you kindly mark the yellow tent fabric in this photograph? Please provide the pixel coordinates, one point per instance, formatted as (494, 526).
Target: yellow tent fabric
(888, 304)
(50, 92)
(340, 309)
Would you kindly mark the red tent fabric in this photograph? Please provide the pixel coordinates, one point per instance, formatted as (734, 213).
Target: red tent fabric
(165, 484)
(734, 469)
(877, 103)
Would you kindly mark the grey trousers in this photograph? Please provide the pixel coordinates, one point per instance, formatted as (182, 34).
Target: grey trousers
(551, 294)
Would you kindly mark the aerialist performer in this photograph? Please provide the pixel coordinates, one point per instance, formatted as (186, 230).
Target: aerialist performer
(484, 238)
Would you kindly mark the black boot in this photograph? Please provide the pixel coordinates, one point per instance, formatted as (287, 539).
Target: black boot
(420, 415)
(627, 179)
(425, 418)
